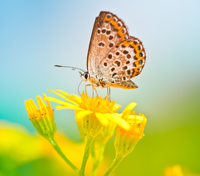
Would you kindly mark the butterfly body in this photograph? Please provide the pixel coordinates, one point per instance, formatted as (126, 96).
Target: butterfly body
(96, 81)
(103, 84)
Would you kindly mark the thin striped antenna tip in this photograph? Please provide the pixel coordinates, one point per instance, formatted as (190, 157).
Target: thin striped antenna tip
(73, 68)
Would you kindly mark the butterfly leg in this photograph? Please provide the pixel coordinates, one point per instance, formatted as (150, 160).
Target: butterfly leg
(93, 89)
(87, 86)
(108, 93)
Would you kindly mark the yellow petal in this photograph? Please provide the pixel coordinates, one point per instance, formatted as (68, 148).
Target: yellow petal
(33, 108)
(67, 99)
(116, 118)
(33, 105)
(57, 101)
(63, 92)
(82, 114)
(69, 106)
(116, 107)
(49, 105)
(41, 105)
(128, 110)
(76, 98)
(103, 120)
(137, 118)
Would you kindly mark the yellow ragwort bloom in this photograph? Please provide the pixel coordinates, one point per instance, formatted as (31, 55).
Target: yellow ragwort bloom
(174, 171)
(126, 140)
(42, 118)
(97, 107)
(177, 171)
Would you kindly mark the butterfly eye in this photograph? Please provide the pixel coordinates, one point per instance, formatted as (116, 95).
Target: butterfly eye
(86, 76)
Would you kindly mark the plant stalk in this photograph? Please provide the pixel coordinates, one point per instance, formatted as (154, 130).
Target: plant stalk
(59, 151)
(115, 163)
(86, 155)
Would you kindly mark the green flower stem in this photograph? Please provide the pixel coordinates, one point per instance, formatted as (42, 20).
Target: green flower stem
(94, 158)
(59, 151)
(97, 160)
(115, 163)
(88, 144)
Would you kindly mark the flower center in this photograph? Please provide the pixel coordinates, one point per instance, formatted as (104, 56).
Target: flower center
(96, 104)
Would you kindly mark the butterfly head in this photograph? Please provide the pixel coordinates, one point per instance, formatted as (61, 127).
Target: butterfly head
(85, 76)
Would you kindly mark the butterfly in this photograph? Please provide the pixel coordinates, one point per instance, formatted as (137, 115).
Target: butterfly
(114, 57)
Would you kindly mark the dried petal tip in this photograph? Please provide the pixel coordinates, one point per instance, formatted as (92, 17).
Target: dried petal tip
(42, 118)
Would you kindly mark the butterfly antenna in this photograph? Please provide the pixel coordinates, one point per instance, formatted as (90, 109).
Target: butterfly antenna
(73, 68)
(79, 87)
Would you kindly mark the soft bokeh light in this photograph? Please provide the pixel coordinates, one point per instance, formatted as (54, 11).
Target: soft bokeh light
(36, 35)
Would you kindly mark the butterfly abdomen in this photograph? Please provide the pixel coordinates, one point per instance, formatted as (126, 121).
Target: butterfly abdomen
(124, 85)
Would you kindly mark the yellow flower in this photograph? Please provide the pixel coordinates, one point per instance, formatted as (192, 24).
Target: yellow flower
(100, 108)
(174, 171)
(126, 140)
(42, 118)
(177, 171)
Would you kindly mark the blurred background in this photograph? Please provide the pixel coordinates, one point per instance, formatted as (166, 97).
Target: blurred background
(36, 35)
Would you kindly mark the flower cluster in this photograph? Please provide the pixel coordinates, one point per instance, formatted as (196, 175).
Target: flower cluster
(100, 108)
(97, 119)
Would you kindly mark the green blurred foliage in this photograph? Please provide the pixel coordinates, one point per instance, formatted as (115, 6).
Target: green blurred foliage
(23, 154)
